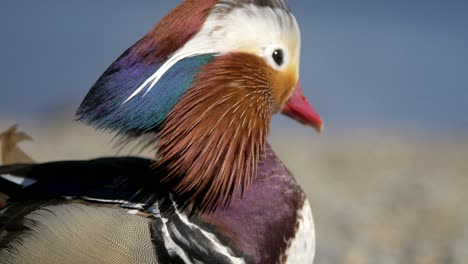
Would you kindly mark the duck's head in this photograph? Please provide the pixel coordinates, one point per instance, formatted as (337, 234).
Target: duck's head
(206, 80)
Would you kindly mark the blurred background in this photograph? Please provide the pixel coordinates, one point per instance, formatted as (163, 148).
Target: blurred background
(387, 180)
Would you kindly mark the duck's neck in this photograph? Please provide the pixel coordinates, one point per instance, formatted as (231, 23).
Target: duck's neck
(263, 221)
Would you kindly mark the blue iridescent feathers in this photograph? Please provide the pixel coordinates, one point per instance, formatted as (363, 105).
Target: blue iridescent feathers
(104, 106)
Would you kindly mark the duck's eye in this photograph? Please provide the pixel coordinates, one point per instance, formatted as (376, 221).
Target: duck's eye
(278, 57)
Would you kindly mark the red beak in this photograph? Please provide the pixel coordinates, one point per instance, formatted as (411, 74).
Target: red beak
(301, 110)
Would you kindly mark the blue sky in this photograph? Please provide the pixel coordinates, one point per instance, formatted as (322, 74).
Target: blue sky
(399, 64)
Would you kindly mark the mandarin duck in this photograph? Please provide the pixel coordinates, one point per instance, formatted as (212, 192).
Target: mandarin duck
(202, 86)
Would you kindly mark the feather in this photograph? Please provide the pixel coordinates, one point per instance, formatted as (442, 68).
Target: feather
(211, 141)
(104, 105)
(279, 4)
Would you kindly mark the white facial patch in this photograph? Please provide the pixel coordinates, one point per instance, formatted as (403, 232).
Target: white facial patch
(250, 29)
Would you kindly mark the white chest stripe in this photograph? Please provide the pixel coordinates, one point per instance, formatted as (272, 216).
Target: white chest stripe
(215, 242)
(302, 248)
(173, 237)
(170, 245)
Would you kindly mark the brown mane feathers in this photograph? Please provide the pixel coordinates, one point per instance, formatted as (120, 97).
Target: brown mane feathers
(211, 141)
